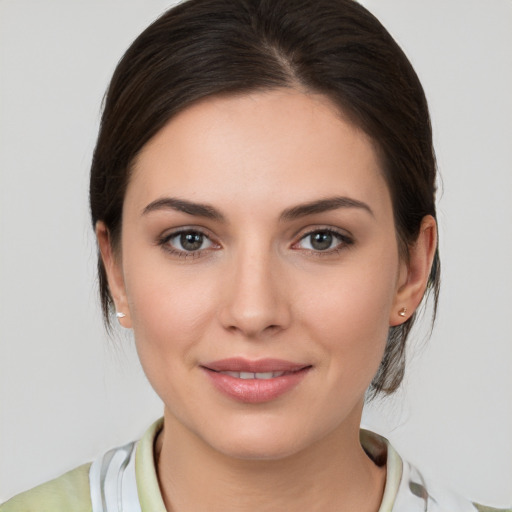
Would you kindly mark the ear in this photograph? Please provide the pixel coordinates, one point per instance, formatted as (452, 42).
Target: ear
(114, 271)
(415, 272)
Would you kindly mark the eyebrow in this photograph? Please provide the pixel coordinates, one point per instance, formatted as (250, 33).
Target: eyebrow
(181, 205)
(324, 205)
(296, 212)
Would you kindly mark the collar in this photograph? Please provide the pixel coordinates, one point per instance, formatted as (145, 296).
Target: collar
(125, 479)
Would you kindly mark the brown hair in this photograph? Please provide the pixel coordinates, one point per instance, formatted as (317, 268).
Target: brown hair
(202, 48)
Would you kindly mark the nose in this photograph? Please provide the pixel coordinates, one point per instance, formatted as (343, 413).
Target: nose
(255, 303)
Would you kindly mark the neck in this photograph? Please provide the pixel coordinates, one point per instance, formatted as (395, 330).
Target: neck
(333, 474)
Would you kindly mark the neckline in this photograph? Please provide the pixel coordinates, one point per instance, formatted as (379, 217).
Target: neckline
(376, 447)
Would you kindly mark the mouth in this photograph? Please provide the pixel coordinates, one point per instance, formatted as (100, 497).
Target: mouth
(261, 368)
(255, 375)
(255, 381)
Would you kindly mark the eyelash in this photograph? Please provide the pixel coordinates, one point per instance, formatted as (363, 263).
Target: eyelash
(182, 253)
(344, 241)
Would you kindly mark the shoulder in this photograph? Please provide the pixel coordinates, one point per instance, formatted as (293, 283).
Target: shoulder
(68, 493)
(483, 508)
(114, 481)
(433, 496)
(407, 490)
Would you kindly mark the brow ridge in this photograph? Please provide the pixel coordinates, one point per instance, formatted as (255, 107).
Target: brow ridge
(323, 205)
(295, 212)
(182, 205)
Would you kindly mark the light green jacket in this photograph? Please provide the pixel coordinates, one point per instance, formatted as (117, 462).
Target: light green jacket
(125, 479)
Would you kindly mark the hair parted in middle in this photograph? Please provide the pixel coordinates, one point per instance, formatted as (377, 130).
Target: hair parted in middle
(203, 48)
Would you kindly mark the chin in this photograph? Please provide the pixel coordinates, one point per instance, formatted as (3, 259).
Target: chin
(261, 440)
(265, 449)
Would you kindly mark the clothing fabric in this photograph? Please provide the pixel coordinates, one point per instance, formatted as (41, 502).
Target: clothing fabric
(124, 480)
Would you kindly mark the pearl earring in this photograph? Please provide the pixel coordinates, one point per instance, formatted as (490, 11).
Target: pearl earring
(402, 312)
(119, 314)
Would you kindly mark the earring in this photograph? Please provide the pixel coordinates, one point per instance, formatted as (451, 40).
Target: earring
(402, 312)
(119, 314)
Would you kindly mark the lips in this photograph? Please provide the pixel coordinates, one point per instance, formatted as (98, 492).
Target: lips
(255, 375)
(239, 364)
(255, 381)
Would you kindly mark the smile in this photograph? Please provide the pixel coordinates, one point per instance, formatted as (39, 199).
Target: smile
(255, 381)
(251, 375)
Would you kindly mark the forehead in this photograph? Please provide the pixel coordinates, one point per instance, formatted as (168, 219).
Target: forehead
(280, 145)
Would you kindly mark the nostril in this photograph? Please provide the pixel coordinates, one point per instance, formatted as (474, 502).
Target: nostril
(254, 331)
(254, 306)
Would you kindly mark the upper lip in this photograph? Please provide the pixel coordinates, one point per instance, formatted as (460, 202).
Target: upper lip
(239, 364)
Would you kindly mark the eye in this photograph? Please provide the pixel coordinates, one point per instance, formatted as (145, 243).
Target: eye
(323, 240)
(188, 241)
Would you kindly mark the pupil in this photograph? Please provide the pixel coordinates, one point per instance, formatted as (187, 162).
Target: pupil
(321, 241)
(191, 241)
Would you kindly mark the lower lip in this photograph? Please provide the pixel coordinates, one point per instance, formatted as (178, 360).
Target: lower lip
(254, 391)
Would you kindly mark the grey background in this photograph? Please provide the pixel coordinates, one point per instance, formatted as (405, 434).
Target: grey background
(67, 392)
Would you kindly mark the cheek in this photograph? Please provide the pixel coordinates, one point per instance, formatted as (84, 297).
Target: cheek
(350, 317)
(171, 318)
(170, 313)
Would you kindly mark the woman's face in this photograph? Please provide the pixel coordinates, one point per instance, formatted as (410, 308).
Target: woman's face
(258, 238)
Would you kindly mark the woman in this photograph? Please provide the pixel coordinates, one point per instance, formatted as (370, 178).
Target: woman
(262, 318)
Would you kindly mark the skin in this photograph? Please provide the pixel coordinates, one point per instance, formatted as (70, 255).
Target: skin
(259, 288)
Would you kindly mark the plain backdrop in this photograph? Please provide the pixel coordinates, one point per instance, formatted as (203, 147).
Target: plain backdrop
(68, 392)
